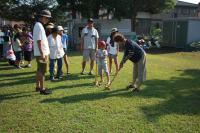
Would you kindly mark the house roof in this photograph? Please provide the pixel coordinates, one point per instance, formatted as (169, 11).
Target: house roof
(186, 4)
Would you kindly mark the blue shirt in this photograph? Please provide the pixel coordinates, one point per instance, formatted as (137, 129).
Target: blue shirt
(132, 51)
(65, 40)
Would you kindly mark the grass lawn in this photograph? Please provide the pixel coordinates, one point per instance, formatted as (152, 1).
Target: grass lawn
(169, 101)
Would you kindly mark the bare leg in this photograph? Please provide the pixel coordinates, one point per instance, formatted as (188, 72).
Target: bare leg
(83, 66)
(37, 80)
(91, 65)
(116, 64)
(66, 63)
(110, 64)
(108, 78)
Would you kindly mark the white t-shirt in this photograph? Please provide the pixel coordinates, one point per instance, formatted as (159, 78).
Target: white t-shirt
(39, 34)
(89, 37)
(112, 50)
(56, 47)
(102, 57)
(1, 38)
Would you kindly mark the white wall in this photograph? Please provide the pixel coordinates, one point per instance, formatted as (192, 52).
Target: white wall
(193, 31)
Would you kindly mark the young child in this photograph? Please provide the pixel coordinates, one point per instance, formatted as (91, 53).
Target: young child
(56, 53)
(11, 57)
(102, 61)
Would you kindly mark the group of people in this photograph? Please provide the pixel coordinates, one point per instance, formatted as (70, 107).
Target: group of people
(51, 44)
(16, 44)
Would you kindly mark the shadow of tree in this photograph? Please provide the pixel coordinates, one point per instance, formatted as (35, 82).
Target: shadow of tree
(181, 95)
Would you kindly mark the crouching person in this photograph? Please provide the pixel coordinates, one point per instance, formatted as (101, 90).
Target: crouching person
(137, 55)
(56, 54)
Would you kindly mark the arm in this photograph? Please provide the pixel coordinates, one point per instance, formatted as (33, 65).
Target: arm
(81, 44)
(96, 43)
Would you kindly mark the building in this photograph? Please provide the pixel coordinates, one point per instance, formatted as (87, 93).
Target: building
(182, 10)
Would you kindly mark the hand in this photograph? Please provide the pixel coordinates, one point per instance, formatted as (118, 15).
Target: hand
(96, 49)
(43, 58)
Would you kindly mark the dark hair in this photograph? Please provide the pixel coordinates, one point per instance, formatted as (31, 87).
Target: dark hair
(119, 37)
(54, 30)
(25, 29)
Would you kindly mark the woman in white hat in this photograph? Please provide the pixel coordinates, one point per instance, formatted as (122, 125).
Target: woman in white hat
(113, 50)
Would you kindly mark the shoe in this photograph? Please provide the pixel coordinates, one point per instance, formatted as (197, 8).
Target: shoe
(45, 92)
(29, 65)
(59, 77)
(18, 67)
(129, 86)
(37, 89)
(135, 89)
(90, 73)
(83, 73)
(68, 73)
(52, 78)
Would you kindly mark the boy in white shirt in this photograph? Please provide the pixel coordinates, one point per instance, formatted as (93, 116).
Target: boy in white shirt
(56, 53)
(102, 55)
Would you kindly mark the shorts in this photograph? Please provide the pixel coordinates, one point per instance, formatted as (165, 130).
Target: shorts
(65, 50)
(18, 55)
(112, 56)
(41, 66)
(89, 54)
(102, 67)
(27, 55)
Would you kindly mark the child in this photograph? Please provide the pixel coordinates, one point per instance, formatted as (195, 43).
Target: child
(56, 53)
(137, 55)
(27, 41)
(102, 61)
(11, 56)
(113, 50)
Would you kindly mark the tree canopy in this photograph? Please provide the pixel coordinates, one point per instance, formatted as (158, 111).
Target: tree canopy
(25, 9)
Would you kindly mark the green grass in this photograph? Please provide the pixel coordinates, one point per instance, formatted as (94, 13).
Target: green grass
(169, 100)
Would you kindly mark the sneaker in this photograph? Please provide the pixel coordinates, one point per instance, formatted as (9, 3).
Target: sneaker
(45, 92)
(129, 86)
(59, 77)
(68, 73)
(52, 78)
(135, 89)
(83, 73)
(18, 67)
(29, 65)
(90, 73)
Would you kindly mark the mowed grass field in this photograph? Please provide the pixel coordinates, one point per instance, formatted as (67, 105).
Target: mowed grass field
(168, 102)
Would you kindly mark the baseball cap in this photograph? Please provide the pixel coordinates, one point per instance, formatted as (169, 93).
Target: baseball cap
(45, 13)
(114, 30)
(101, 44)
(90, 20)
(60, 28)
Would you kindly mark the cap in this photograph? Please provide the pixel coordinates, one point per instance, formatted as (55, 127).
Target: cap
(45, 13)
(50, 25)
(60, 28)
(90, 20)
(114, 30)
(101, 44)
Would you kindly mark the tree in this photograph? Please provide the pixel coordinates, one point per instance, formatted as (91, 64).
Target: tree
(24, 10)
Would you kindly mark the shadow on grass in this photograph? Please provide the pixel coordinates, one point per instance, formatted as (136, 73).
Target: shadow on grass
(181, 95)
(23, 81)
(16, 74)
(11, 96)
(89, 96)
(164, 50)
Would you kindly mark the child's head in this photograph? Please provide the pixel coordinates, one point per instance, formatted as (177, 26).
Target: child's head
(102, 45)
(54, 31)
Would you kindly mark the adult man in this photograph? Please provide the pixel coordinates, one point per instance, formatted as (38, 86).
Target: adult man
(41, 50)
(65, 40)
(89, 45)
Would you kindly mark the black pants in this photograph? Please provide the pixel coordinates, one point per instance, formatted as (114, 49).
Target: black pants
(1, 50)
